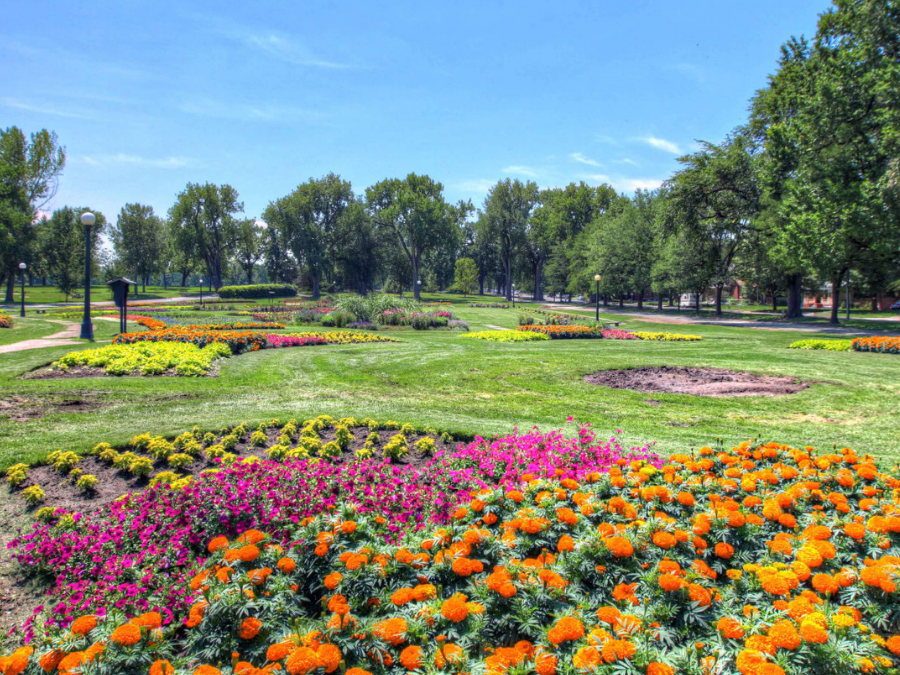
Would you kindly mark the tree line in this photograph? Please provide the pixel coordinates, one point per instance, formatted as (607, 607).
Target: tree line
(805, 191)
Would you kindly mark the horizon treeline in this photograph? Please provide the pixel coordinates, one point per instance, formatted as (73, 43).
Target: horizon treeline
(805, 191)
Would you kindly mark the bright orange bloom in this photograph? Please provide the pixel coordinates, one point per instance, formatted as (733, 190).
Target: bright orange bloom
(249, 628)
(84, 624)
(128, 635)
(411, 657)
(302, 661)
(455, 609)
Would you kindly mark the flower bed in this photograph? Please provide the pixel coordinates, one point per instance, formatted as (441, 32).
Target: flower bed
(226, 325)
(506, 336)
(489, 305)
(294, 340)
(258, 291)
(131, 555)
(829, 345)
(6, 321)
(665, 337)
(616, 334)
(880, 343)
(759, 560)
(147, 358)
(345, 337)
(564, 332)
(237, 341)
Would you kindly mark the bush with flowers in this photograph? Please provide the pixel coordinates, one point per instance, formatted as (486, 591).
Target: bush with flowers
(237, 341)
(6, 321)
(147, 358)
(345, 337)
(665, 337)
(827, 345)
(564, 331)
(506, 336)
(884, 344)
(759, 559)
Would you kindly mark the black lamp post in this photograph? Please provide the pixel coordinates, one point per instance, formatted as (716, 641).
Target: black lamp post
(22, 267)
(597, 278)
(201, 291)
(512, 294)
(87, 328)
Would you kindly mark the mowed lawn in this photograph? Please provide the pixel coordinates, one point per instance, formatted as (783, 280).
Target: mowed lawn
(440, 378)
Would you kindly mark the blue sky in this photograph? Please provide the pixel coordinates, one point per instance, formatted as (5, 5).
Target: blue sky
(147, 96)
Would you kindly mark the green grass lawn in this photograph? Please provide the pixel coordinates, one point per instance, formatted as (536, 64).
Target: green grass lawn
(439, 378)
(28, 329)
(40, 295)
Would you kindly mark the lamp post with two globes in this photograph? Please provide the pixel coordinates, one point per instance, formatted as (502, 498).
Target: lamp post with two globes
(87, 328)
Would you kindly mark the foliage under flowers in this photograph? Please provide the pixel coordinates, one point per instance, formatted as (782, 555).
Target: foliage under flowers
(6, 321)
(506, 336)
(235, 324)
(567, 331)
(828, 345)
(135, 554)
(345, 337)
(237, 341)
(880, 343)
(665, 337)
(147, 358)
(275, 341)
(759, 560)
(258, 291)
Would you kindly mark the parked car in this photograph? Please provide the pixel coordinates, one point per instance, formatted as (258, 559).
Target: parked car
(896, 305)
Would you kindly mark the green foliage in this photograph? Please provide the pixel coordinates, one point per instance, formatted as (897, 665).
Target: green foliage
(33, 495)
(331, 449)
(465, 276)
(829, 345)
(62, 461)
(343, 437)
(397, 447)
(425, 445)
(16, 474)
(87, 482)
(180, 460)
(260, 291)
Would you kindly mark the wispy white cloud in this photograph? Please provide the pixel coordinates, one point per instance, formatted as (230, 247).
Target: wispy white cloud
(689, 70)
(629, 185)
(521, 170)
(601, 138)
(578, 157)
(284, 48)
(625, 160)
(661, 144)
(122, 159)
(477, 185)
(248, 112)
(595, 177)
(45, 109)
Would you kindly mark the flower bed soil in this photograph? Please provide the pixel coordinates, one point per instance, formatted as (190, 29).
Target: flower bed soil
(696, 381)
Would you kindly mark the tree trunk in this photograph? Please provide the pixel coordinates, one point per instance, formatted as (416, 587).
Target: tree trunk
(165, 280)
(10, 288)
(640, 299)
(621, 301)
(719, 289)
(794, 296)
(509, 289)
(538, 282)
(697, 303)
(249, 275)
(876, 302)
(184, 279)
(672, 300)
(659, 302)
(836, 297)
(315, 286)
(774, 300)
(605, 300)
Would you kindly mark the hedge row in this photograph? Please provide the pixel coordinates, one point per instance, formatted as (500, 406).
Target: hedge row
(258, 291)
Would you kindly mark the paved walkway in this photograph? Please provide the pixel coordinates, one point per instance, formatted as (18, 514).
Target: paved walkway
(106, 303)
(65, 337)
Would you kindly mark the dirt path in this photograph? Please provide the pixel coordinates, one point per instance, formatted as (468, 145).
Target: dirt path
(496, 327)
(65, 337)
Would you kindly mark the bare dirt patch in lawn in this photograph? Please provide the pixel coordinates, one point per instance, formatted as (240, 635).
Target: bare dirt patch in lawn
(696, 381)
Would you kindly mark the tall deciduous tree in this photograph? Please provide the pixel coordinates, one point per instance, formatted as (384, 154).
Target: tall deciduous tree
(29, 177)
(139, 240)
(204, 215)
(713, 201)
(465, 276)
(307, 218)
(248, 246)
(508, 207)
(413, 208)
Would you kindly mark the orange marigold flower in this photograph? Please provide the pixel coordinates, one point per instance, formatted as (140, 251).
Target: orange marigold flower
(332, 580)
(161, 667)
(608, 614)
(392, 631)
(893, 645)
(150, 620)
(286, 565)
(16, 662)
(730, 628)
(251, 537)
(249, 628)
(618, 650)
(664, 540)
(84, 624)
(620, 547)
(724, 551)
(329, 657)
(449, 653)
(545, 664)
(825, 584)
(128, 635)
(248, 553)
(587, 658)
(217, 544)
(566, 543)
(567, 628)
(784, 635)
(279, 650)
(657, 668)
(348, 527)
(455, 609)
(411, 657)
(670, 582)
(338, 605)
(49, 661)
(207, 670)
(302, 661)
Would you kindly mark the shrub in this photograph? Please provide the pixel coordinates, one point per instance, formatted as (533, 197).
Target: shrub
(561, 332)
(33, 495)
(6, 321)
(666, 337)
(141, 466)
(370, 307)
(16, 474)
(147, 358)
(258, 291)
(425, 445)
(343, 337)
(829, 345)
(397, 447)
(881, 343)
(63, 462)
(180, 460)
(506, 335)
(87, 482)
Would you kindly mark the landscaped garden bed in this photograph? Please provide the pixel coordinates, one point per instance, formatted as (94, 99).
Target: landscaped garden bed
(528, 553)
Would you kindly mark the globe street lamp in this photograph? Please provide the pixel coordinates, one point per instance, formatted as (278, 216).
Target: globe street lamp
(512, 294)
(87, 328)
(22, 267)
(419, 289)
(597, 278)
(201, 291)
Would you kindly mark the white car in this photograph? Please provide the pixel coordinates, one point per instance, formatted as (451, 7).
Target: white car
(580, 298)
